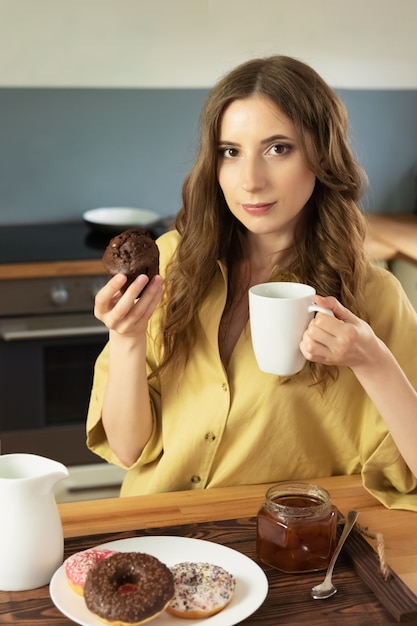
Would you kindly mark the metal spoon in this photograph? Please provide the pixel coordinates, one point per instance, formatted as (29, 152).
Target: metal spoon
(326, 588)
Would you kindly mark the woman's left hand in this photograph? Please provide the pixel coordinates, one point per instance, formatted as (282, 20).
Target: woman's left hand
(342, 340)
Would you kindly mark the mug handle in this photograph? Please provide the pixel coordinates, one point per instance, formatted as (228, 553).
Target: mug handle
(320, 309)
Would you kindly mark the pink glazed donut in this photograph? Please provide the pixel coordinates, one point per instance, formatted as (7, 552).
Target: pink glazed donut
(79, 564)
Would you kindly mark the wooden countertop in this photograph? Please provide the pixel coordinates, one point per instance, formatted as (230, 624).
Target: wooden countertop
(392, 235)
(227, 517)
(55, 268)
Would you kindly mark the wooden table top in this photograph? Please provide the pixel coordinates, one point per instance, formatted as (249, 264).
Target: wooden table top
(227, 516)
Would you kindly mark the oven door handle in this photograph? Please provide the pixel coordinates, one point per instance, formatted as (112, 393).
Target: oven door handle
(47, 333)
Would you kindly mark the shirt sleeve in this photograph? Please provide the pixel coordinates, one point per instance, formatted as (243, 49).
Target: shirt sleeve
(384, 472)
(387, 477)
(96, 436)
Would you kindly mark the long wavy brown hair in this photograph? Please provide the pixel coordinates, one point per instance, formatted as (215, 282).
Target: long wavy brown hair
(329, 238)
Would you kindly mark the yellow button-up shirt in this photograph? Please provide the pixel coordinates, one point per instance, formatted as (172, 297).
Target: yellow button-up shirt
(217, 426)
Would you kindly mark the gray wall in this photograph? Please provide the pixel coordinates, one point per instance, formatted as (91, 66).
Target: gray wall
(64, 151)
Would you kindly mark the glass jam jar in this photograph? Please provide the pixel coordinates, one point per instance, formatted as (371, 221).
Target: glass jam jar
(296, 527)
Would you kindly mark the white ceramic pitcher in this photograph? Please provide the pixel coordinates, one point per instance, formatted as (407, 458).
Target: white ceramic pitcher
(31, 537)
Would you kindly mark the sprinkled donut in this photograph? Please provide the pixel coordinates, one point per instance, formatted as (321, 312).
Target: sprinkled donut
(201, 590)
(128, 588)
(79, 564)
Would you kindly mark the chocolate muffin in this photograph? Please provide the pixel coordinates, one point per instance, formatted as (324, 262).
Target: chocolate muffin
(133, 252)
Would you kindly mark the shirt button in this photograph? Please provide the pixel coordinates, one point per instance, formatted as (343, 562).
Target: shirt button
(210, 436)
(195, 479)
(224, 386)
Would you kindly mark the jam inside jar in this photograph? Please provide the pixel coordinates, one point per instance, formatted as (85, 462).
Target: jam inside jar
(296, 528)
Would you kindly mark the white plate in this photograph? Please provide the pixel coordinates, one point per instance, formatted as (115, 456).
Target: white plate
(120, 218)
(251, 582)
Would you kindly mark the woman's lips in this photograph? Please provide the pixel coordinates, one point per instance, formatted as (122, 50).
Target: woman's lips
(259, 208)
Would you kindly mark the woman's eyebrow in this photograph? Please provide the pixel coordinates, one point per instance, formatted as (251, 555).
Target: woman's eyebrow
(228, 143)
(263, 141)
(277, 138)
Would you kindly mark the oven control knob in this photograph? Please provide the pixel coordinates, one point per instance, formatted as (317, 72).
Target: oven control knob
(59, 295)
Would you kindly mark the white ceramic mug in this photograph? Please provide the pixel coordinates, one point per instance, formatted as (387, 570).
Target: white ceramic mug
(279, 314)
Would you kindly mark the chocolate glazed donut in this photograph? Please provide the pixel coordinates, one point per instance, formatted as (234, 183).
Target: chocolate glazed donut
(128, 588)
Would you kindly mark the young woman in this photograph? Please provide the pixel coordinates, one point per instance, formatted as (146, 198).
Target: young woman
(178, 398)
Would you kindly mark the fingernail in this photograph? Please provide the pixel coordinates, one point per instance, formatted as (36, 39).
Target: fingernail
(120, 279)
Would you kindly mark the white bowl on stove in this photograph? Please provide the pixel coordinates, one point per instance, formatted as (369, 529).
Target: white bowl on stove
(117, 219)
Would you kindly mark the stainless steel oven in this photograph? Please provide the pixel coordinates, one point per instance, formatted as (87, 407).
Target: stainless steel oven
(49, 341)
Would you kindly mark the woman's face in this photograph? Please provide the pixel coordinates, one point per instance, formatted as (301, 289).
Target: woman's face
(262, 172)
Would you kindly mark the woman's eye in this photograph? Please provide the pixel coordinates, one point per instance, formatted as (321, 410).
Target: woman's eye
(280, 148)
(228, 153)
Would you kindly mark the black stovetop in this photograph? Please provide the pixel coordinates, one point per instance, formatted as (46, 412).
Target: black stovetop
(37, 243)
(50, 242)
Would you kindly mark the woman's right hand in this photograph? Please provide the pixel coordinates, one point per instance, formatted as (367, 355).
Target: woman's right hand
(125, 313)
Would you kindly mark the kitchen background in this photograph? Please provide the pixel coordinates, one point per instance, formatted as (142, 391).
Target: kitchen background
(100, 103)
(100, 99)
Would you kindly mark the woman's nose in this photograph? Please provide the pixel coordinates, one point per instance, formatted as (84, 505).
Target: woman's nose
(253, 174)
